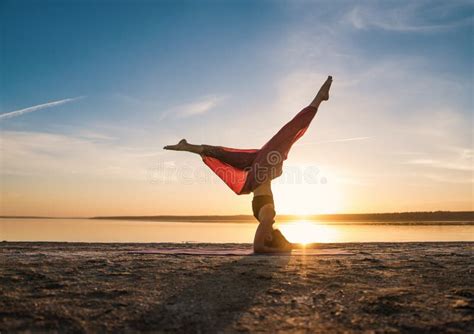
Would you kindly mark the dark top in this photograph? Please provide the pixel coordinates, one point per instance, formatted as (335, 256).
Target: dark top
(259, 201)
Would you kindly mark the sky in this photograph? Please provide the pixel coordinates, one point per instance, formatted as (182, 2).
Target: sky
(90, 92)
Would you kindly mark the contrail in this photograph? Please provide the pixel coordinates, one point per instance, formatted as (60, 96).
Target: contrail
(38, 107)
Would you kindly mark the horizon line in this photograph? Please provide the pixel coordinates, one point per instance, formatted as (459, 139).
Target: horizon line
(299, 216)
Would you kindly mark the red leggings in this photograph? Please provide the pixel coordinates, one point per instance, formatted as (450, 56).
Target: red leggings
(244, 170)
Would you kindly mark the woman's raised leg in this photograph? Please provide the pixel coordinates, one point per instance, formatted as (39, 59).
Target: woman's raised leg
(237, 158)
(323, 93)
(282, 141)
(269, 161)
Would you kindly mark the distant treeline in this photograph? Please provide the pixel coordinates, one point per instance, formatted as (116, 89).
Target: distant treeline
(464, 216)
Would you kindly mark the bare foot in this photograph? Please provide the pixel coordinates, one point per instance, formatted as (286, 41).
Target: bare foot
(323, 94)
(181, 146)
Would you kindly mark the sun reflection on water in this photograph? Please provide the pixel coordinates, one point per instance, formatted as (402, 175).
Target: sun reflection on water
(305, 232)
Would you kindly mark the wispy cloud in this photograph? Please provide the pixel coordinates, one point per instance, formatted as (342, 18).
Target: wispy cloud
(340, 140)
(449, 179)
(414, 17)
(58, 154)
(91, 135)
(460, 166)
(37, 107)
(197, 107)
(345, 139)
(395, 100)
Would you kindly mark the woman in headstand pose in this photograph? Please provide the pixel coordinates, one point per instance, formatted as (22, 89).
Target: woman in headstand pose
(252, 170)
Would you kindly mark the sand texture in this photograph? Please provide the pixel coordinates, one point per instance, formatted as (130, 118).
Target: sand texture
(381, 287)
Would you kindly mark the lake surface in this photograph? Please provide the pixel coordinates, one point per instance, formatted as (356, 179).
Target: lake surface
(89, 230)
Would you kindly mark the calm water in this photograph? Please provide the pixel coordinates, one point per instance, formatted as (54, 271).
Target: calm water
(86, 230)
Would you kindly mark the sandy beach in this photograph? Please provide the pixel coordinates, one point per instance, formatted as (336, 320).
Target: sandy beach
(380, 287)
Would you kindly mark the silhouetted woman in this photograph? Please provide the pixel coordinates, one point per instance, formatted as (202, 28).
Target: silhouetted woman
(252, 170)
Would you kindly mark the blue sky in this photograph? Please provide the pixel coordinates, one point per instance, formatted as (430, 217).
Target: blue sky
(126, 78)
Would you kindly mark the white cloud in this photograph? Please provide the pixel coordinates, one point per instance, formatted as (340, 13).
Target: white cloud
(37, 107)
(413, 17)
(39, 153)
(395, 100)
(463, 165)
(441, 178)
(341, 140)
(87, 134)
(197, 107)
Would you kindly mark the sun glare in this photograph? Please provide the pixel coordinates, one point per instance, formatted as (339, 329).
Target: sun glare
(305, 232)
(307, 198)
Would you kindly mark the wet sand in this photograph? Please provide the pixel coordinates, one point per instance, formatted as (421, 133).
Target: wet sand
(381, 287)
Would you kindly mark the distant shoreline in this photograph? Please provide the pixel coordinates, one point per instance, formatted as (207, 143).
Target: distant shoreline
(464, 217)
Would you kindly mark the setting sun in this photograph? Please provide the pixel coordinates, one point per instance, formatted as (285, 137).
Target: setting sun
(305, 198)
(305, 232)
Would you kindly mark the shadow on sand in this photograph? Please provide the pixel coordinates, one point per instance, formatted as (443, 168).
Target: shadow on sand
(215, 299)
